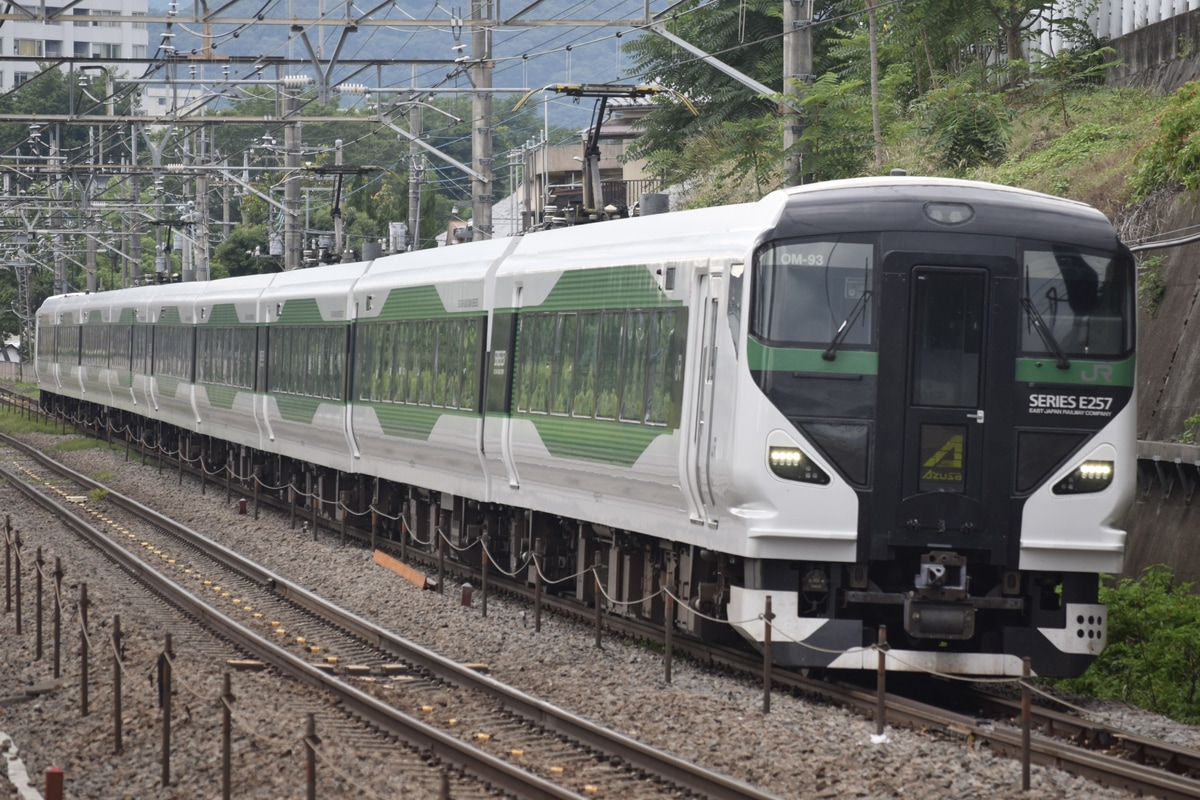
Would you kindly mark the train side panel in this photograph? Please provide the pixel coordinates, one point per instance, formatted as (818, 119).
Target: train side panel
(230, 336)
(47, 364)
(173, 315)
(606, 329)
(419, 351)
(305, 412)
(96, 343)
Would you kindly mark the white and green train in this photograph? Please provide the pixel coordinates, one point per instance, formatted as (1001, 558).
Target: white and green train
(890, 401)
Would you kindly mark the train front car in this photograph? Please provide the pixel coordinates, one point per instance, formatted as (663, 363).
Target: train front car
(961, 356)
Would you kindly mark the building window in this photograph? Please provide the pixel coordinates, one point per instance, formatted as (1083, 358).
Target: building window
(21, 77)
(28, 47)
(82, 50)
(53, 48)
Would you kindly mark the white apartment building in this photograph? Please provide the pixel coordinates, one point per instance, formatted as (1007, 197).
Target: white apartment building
(82, 31)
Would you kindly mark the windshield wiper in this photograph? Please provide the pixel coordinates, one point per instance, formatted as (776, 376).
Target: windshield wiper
(1044, 331)
(844, 329)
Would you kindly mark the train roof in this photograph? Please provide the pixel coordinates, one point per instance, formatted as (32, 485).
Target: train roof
(898, 203)
(720, 233)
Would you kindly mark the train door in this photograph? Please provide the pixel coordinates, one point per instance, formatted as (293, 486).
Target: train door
(943, 470)
(495, 444)
(698, 427)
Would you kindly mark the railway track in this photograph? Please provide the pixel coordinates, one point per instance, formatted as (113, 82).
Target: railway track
(375, 675)
(1098, 751)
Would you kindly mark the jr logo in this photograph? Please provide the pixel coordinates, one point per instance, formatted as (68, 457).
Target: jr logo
(1099, 372)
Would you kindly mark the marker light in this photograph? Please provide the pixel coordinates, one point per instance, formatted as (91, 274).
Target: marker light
(790, 463)
(1090, 476)
(949, 213)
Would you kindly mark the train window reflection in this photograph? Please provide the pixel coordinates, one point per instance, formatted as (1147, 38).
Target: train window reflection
(1083, 298)
(804, 291)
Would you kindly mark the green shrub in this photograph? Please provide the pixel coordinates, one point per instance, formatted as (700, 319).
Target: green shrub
(1190, 426)
(1151, 286)
(1173, 157)
(1153, 654)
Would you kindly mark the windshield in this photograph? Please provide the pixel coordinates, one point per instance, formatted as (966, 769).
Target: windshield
(805, 291)
(1082, 300)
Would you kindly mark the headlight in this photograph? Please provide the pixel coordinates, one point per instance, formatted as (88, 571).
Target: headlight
(1090, 476)
(790, 463)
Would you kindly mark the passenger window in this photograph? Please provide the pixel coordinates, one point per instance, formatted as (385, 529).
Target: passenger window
(608, 373)
(633, 381)
(564, 362)
(583, 404)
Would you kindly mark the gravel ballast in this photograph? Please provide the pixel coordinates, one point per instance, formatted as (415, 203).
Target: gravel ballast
(801, 749)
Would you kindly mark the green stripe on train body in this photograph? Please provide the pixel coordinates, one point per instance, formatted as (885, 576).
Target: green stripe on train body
(295, 408)
(222, 396)
(170, 316)
(419, 302)
(167, 386)
(602, 441)
(1081, 372)
(304, 311)
(767, 358)
(409, 421)
(629, 286)
(225, 315)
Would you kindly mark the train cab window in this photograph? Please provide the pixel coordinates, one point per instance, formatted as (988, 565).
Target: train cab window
(948, 324)
(1080, 303)
(804, 292)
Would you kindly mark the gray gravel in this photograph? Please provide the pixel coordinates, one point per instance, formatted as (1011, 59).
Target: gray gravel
(800, 750)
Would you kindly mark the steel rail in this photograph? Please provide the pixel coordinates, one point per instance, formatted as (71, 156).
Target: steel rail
(1105, 769)
(673, 769)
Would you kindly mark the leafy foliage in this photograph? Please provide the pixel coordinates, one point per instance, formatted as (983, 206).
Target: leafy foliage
(725, 29)
(966, 127)
(1083, 61)
(1191, 426)
(1153, 654)
(1151, 285)
(736, 161)
(837, 128)
(1173, 158)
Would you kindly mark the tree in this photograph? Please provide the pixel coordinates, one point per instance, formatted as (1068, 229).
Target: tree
(964, 126)
(837, 128)
(744, 35)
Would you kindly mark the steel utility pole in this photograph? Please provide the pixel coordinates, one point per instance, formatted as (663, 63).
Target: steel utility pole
(481, 118)
(797, 70)
(133, 247)
(416, 173)
(291, 180)
(200, 228)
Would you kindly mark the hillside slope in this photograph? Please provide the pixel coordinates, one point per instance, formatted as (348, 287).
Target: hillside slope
(1091, 154)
